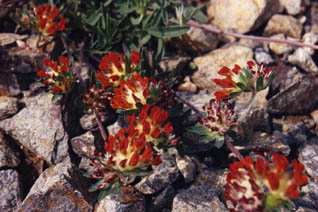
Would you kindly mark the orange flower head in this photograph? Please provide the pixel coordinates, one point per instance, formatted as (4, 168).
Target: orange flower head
(252, 77)
(152, 123)
(58, 77)
(132, 91)
(113, 68)
(46, 20)
(253, 185)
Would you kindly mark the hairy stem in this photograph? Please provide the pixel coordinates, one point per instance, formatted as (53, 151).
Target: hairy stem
(213, 29)
(100, 126)
(248, 107)
(191, 106)
(232, 148)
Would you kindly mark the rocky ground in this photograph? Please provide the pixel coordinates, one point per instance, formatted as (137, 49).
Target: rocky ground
(45, 146)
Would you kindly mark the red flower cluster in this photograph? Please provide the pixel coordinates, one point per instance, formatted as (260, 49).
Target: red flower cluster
(262, 184)
(59, 78)
(131, 92)
(252, 78)
(153, 125)
(45, 20)
(113, 68)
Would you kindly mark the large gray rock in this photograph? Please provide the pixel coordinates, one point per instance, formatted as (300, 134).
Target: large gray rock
(83, 145)
(88, 121)
(187, 167)
(292, 6)
(308, 155)
(11, 194)
(8, 106)
(209, 64)
(163, 175)
(198, 199)
(8, 157)
(39, 128)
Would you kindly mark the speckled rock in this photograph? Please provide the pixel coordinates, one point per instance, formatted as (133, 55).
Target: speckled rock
(198, 199)
(198, 100)
(163, 199)
(292, 6)
(83, 145)
(284, 24)
(187, 167)
(196, 40)
(58, 198)
(308, 155)
(280, 48)
(8, 106)
(8, 158)
(215, 178)
(10, 195)
(114, 128)
(261, 56)
(303, 56)
(9, 84)
(88, 121)
(231, 14)
(39, 128)
(298, 98)
(163, 175)
(174, 62)
(209, 64)
(115, 203)
(285, 76)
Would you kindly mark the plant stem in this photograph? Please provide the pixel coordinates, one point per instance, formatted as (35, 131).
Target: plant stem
(232, 148)
(191, 106)
(100, 126)
(213, 29)
(248, 108)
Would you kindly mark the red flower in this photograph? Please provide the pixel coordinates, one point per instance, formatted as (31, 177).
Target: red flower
(46, 20)
(256, 185)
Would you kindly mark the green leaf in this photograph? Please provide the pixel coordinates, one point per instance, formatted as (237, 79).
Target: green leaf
(95, 186)
(259, 84)
(247, 73)
(205, 139)
(137, 172)
(219, 143)
(240, 85)
(55, 97)
(88, 174)
(198, 130)
(144, 39)
(94, 18)
(44, 94)
(104, 192)
(168, 32)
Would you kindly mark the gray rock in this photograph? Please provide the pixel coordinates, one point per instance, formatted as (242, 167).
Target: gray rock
(188, 86)
(163, 175)
(285, 76)
(209, 64)
(88, 121)
(39, 128)
(113, 128)
(163, 200)
(215, 178)
(198, 100)
(284, 24)
(280, 48)
(187, 167)
(308, 155)
(298, 98)
(8, 158)
(262, 56)
(292, 6)
(115, 203)
(176, 63)
(8, 106)
(10, 196)
(9, 84)
(83, 145)
(198, 199)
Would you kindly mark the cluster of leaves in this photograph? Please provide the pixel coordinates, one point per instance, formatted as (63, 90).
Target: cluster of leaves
(131, 85)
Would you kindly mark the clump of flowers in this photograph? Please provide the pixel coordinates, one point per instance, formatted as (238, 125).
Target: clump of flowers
(251, 78)
(45, 19)
(132, 92)
(58, 78)
(219, 117)
(264, 185)
(113, 68)
(153, 125)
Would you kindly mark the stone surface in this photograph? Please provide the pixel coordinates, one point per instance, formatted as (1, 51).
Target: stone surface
(88, 121)
(284, 24)
(196, 40)
(8, 106)
(209, 64)
(261, 56)
(83, 145)
(163, 175)
(198, 100)
(285, 76)
(8, 157)
(198, 199)
(280, 48)
(303, 56)
(308, 155)
(232, 15)
(115, 203)
(163, 200)
(10, 195)
(187, 167)
(174, 62)
(298, 98)
(188, 85)
(39, 128)
(292, 6)
(215, 178)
